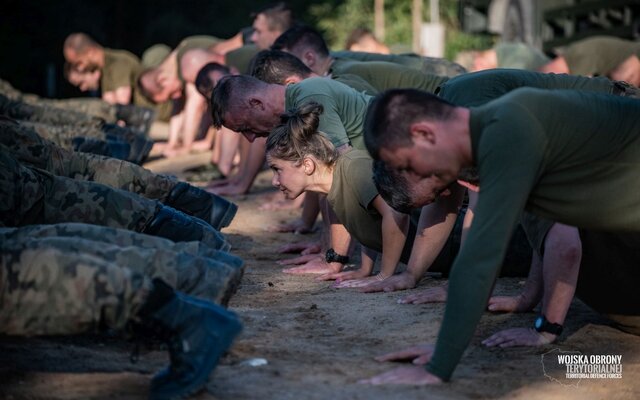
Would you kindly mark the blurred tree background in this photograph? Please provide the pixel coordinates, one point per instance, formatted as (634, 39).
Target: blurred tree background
(32, 31)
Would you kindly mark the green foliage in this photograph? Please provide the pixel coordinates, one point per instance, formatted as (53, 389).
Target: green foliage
(337, 21)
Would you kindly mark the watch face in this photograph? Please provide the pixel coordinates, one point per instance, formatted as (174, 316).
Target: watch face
(539, 322)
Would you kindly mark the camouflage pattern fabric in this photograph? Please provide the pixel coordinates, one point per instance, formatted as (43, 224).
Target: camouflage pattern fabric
(34, 196)
(45, 114)
(29, 148)
(115, 236)
(31, 195)
(45, 291)
(204, 277)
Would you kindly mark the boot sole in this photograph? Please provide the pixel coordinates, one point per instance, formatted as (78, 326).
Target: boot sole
(227, 217)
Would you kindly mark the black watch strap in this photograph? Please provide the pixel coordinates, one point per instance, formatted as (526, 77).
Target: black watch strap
(332, 256)
(543, 325)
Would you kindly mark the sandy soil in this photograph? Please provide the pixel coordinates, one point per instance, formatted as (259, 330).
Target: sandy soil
(319, 341)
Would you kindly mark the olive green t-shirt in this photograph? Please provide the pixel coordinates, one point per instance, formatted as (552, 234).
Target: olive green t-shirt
(355, 82)
(351, 196)
(519, 56)
(569, 156)
(598, 55)
(431, 65)
(121, 68)
(241, 57)
(385, 75)
(342, 120)
(477, 88)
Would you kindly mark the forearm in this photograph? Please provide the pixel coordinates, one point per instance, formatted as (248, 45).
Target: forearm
(434, 227)
(368, 259)
(194, 108)
(394, 235)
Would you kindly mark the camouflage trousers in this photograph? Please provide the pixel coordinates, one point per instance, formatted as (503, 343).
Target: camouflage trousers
(207, 276)
(45, 114)
(53, 280)
(33, 196)
(29, 148)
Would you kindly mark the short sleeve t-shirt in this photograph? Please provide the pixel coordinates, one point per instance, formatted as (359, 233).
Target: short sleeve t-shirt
(342, 120)
(385, 75)
(352, 192)
(598, 55)
(121, 69)
(477, 88)
(240, 58)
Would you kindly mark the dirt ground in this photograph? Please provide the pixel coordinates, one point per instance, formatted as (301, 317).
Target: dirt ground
(318, 342)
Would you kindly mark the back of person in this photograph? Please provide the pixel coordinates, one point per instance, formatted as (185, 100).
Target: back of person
(344, 108)
(577, 152)
(477, 88)
(384, 75)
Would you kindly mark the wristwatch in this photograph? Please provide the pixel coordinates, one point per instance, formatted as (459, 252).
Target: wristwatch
(332, 256)
(542, 325)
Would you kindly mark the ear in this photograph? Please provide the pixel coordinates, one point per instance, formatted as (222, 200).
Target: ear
(309, 59)
(423, 131)
(256, 103)
(308, 166)
(290, 80)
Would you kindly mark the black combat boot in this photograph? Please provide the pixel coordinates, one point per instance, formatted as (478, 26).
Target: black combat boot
(109, 148)
(138, 118)
(140, 144)
(215, 210)
(179, 227)
(197, 334)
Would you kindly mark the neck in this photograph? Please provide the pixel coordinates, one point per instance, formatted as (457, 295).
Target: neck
(275, 99)
(321, 180)
(323, 65)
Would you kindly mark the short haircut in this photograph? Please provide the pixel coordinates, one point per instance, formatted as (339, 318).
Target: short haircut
(391, 114)
(279, 16)
(80, 43)
(392, 187)
(204, 83)
(229, 93)
(275, 66)
(302, 36)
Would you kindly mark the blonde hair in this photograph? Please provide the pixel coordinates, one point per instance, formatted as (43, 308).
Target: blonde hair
(298, 137)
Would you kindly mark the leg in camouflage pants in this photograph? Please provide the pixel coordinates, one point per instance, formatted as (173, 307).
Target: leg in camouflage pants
(32, 196)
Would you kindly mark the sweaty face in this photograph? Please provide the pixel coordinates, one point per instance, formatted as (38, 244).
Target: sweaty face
(262, 36)
(288, 176)
(80, 62)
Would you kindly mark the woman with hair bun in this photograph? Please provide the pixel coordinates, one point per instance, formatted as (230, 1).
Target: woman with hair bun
(304, 160)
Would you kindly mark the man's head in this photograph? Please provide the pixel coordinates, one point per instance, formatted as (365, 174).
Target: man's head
(305, 43)
(208, 77)
(193, 60)
(82, 52)
(159, 86)
(409, 130)
(85, 81)
(269, 23)
(275, 66)
(404, 191)
(245, 104)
